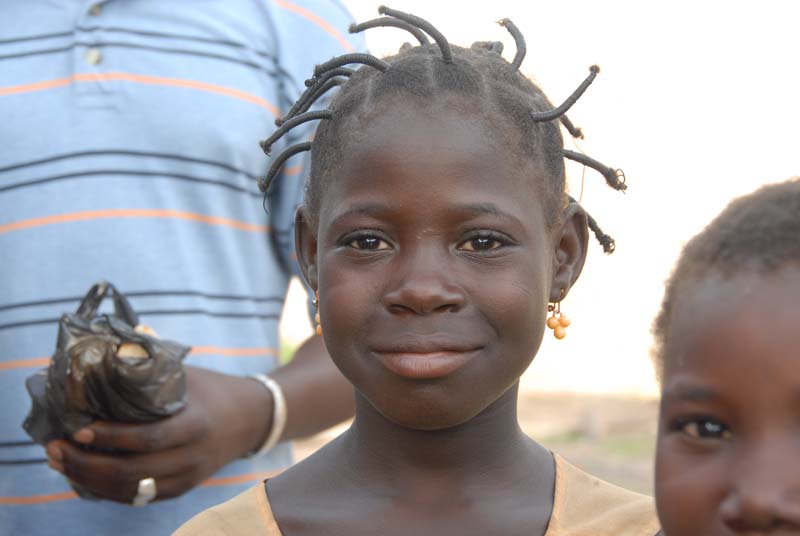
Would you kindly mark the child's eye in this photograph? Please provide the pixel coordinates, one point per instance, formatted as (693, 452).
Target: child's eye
(481, 243)
(703, 428)
(368, 243)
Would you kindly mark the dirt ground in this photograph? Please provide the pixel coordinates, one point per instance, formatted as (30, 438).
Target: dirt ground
(610, 437)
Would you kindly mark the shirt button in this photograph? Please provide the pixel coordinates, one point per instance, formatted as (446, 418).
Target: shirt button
(95, 10)
(93, 56)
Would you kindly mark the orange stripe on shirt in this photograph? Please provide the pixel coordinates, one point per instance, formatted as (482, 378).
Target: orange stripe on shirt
(36, 86)
(319, 21)
(25, 363)
(141, 79)
(39, 499)
(132, 213)
(233, 352)
(196, 350)
(294, 170)
(69, 495)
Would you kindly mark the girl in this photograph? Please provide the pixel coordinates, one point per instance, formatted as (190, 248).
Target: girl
(435, 232)
(728, 354)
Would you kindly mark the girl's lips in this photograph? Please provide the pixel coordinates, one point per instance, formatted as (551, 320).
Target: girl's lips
(425, 365)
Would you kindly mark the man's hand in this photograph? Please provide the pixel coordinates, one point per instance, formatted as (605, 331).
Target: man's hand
(225, 417)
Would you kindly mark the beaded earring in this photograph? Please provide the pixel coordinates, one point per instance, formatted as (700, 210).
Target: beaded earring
(315, 302)
(557, 320)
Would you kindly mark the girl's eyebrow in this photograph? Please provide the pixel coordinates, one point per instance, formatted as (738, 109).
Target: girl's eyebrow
(683, 391)
(472, 209)
(483, 208)
(364, 209)
(475, 210)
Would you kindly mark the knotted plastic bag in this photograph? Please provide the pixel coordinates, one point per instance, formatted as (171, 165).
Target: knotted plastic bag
(107, 368)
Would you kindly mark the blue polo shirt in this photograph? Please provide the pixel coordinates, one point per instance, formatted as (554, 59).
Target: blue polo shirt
(129, 152)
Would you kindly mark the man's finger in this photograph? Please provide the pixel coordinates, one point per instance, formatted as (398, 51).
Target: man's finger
(117, 476)
(181, 429)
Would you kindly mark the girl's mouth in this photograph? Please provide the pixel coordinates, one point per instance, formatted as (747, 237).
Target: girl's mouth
(425, 365)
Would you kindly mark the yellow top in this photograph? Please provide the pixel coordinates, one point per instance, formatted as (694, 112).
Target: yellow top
(582, 506)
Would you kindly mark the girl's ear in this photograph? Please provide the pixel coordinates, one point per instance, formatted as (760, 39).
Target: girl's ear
(571, 248)
(305, 243)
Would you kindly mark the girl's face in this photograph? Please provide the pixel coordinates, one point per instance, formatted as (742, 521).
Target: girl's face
(434, 266)
(728, 457)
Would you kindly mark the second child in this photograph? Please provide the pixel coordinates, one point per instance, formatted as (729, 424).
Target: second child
(728, 456)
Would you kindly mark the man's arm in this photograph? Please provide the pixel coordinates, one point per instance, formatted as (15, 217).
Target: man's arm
(225, 418)
(317, 395)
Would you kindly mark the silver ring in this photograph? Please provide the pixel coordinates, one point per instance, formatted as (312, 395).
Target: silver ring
(145, 492)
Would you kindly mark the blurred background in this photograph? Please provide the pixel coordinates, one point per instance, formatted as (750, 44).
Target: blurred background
(697, 103)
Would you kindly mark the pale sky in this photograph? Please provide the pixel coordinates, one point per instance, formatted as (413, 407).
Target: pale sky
(696, 101)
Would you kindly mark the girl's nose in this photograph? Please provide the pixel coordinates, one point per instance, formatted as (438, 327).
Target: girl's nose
(759, 512)
(764, 497)
(424, 286)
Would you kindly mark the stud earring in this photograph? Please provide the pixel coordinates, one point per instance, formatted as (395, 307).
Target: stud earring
(315, 302)
(557, 320)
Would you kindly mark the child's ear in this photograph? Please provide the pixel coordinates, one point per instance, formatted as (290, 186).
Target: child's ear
(571, 248)
(305, 243)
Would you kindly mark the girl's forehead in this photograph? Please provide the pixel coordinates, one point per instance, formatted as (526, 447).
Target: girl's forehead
(420, 166)
(431, 163)
(719, 316)
(734, 295)
(433, 136)
(454, 119)
(446, 148)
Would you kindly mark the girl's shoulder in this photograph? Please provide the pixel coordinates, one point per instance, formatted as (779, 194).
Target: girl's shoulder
(247, 513)
(583, 505)
(586, 505)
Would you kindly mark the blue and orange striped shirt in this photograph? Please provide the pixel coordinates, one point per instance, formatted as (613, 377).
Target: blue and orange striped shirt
(129, 152)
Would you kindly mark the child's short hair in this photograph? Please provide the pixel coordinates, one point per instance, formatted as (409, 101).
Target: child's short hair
(758, 232)
(432, 69)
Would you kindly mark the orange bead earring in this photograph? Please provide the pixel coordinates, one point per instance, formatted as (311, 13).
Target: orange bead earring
(316, 315)
(558, 321)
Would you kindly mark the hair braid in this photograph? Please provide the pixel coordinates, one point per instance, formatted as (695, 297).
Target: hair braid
(429, 70)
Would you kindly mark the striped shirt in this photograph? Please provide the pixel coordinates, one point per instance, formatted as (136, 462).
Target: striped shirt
(129, 153)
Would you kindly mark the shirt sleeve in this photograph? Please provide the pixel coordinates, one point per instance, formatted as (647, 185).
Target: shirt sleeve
(307, 33)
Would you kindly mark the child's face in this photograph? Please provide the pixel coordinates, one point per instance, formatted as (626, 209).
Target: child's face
(728, 457)
(434, 266)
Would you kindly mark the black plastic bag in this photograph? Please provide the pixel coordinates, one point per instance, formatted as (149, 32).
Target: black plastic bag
(106, 368)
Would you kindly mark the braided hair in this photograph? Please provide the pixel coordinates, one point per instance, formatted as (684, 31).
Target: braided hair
(424, 72)
(759, 232)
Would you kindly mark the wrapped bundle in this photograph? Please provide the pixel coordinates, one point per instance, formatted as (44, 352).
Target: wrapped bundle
(105, 367)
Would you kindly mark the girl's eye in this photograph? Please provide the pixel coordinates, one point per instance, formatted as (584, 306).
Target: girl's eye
(704, 429)
(481, 243)
(368, 243)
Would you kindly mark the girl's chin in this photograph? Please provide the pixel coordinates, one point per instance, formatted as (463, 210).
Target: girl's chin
(417, 415)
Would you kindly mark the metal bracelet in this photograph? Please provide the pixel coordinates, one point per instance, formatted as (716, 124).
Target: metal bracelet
(278, 413)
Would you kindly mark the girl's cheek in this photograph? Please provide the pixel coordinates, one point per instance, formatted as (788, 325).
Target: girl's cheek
(689, 484)
(674, 498)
